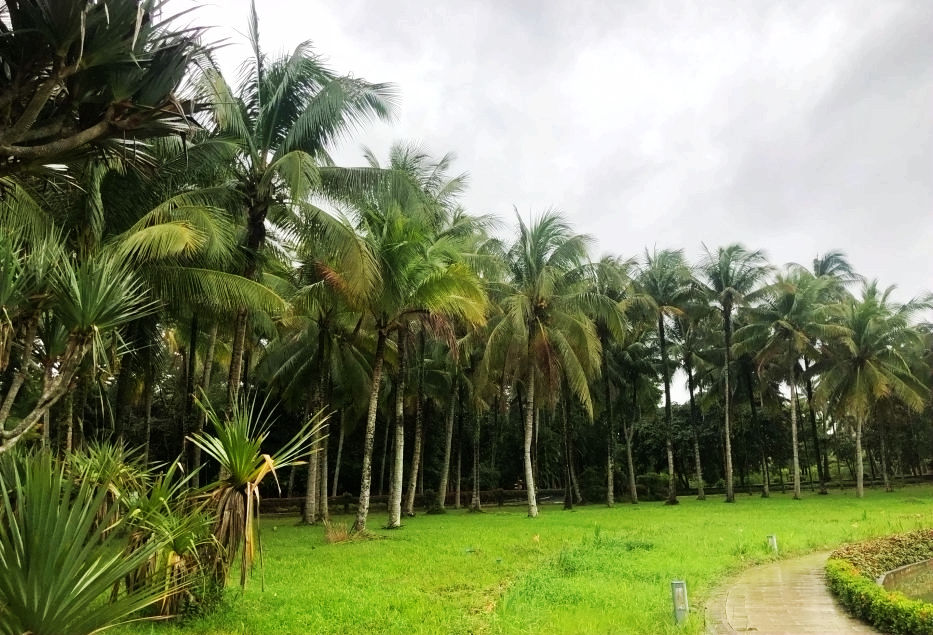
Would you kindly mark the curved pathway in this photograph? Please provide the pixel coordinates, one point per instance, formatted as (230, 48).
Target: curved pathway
(787, 596)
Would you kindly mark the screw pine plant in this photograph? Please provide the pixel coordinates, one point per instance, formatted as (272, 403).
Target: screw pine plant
(236, 444)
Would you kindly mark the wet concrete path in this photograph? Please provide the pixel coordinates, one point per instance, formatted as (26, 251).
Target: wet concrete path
(788, 596)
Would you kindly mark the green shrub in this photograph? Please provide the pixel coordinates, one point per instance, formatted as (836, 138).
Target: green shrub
(852, 570)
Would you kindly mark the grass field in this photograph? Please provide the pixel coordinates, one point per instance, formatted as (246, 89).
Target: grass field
(592, 570)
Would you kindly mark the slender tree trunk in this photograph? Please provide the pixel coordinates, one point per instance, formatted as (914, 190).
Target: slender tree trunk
(459, 454)
(314, 471)
(236, 356)
(727, 331)
(419, 436)
(628, 428)
(448, 441)
(762, 440)
(701, 493)
(150, 390)
(323, 509)
(568, 480)
(668, 419)
(398, 467)
(884, 461)
(475, 502)
(792, 380)
(19, 378)
(67, 422)
(343, 415)
(529, 431)
(383, 463)
(610, 434)
(822, 473)
(859, 466)
(201, 420)
(366, 478)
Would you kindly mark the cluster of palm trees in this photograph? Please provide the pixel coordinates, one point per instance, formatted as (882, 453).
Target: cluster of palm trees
(174, 224)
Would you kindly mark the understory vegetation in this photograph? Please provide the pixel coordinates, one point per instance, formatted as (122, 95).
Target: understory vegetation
(592, 569)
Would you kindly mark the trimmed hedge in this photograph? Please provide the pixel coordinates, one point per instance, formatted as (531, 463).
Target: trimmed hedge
(852, 571)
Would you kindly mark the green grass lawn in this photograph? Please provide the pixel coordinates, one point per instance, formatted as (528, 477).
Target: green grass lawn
(592, 570)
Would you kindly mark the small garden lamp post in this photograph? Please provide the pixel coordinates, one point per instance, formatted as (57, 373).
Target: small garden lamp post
(772, 542)
(681, 603)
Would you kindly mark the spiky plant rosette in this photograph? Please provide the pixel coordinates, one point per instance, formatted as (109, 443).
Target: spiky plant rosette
(236, 444)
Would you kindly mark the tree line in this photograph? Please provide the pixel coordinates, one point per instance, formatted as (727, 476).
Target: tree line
(172, 238)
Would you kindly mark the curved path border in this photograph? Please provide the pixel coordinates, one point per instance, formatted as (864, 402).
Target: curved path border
(786, 596)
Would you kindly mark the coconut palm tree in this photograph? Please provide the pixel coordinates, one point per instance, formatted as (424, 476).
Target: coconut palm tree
(868, 364)
(277, 130)
(545, 329)
(785, 327)
(731, 277)
(418, 281)
(664, 280)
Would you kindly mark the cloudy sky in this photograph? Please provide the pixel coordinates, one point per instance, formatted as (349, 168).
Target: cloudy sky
(795, 127)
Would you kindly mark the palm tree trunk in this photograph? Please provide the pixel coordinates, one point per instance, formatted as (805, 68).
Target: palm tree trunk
(668, 419)
(475, 502)
(762, 442)
(791, 379)
(610, 435)
(311, 490)
(568, 480)
(343, 415)
(236, 356)
(322, 509)
(419, 436)
(67, 422)
(459, 454)
(362, 511)
(398, 467)
(448, 441)
(727, 333)
(884, 461)
(205, 385)
(385, 455)
(859, 466)
(628, 428)
(529, 431)
(822, 474)
(701, 493)
(150, 389)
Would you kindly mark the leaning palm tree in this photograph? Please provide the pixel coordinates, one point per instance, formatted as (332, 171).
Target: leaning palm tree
(784, 328)
(277, 129)
(545, 329)
(868, 363)
(731, 277)
(665, 283)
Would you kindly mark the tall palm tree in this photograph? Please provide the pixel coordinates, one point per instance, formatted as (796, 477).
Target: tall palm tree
(610, 276)
(784, 328)
(276, 132)
(867, 364)
(418, 280)
(731, 277)
(665, 282)
(545, 328)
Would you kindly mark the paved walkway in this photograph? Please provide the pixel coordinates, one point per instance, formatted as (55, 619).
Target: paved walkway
(787, 596)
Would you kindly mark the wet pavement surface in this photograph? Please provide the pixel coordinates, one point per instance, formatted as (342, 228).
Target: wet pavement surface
(788, 596)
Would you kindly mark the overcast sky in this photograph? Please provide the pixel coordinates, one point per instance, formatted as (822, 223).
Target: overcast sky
(795, 127)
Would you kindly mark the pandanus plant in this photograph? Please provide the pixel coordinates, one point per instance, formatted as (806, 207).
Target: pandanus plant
(57, 556)
(236, 444)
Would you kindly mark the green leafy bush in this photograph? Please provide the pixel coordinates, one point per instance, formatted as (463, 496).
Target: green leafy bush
(852, 570)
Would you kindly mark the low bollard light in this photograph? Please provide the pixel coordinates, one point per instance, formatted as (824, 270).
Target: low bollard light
(681, 603)
(772, 542)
